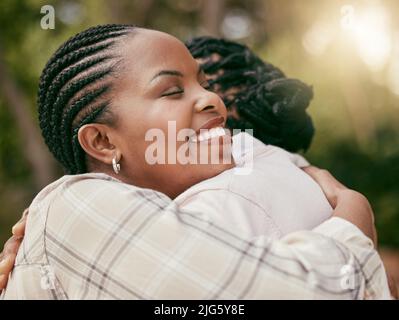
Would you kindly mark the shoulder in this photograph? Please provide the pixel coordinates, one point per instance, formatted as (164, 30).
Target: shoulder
(244, 144)
(98, 199)
(97, 186)
(295, 158)
(91, 182)
(217, 185)
(280, 154)
(247, 147)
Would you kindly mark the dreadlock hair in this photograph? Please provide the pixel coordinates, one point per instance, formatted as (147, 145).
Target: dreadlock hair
(276, 110)
(257, 94)
(74, 90)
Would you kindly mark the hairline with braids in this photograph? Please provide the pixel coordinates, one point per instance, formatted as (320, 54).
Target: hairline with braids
(74, 89)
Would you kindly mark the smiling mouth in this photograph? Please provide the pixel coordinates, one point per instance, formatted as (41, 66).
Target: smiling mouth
(207, 134)
(211, 129)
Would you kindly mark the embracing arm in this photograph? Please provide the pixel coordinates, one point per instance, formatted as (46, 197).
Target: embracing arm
(149, 249)
(152, 250)
(348, 204)
(7, 256)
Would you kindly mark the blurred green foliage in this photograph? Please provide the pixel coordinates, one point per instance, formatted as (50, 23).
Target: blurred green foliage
(355, 114)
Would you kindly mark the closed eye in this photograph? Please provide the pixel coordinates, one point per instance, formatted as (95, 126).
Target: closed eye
(173, 91)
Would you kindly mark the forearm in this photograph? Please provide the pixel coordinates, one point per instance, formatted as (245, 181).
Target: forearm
(355, 208)
(348, 204)
(294, 267)
(180, 252)
(352, 239)
(165, 253)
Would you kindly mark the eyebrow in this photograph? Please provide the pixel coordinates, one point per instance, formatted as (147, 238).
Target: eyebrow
(174, 73)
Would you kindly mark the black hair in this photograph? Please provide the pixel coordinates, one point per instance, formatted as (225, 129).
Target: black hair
(74, 88)
(257, 95)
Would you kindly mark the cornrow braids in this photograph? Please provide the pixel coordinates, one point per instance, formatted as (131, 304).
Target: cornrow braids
(73, 91)
(257, 94)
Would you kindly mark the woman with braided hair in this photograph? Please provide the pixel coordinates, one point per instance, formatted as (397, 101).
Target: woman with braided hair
(109, 229)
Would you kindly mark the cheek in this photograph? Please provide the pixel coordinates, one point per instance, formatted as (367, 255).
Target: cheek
(132, 143)
(172, 117)
(133, 124)
(164, 129)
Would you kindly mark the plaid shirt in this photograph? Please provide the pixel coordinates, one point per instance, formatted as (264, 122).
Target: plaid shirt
(91, 236)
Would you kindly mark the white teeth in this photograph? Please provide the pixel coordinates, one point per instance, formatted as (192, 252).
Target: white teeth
(213, 133)
(193, 138)
(209, 134)
(217, 132)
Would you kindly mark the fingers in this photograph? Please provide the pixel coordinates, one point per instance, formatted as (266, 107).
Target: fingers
(311, 170)
(6, 265)
(330, 186)
(8, 256)
(323, 175)
(323, 180)
(7, 259)
(392, 287)
(12, 245)
(317, 173)
(3, 282)
(18, 229)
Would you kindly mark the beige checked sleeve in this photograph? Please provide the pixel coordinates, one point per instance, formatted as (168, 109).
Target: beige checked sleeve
(108, 240)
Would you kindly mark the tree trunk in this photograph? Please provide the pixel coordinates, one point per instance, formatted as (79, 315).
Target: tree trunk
(33, 148)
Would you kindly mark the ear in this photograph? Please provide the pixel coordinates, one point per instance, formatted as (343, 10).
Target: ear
(94, 139)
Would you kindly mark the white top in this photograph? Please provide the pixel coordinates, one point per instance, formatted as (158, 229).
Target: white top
(277, 196)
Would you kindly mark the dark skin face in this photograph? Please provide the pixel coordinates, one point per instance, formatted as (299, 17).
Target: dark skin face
(160, 82)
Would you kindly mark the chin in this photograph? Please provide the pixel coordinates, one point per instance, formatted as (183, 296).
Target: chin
(207, 171)
(192, 174)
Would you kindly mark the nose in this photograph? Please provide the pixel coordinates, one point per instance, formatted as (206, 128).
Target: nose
(210, 102)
